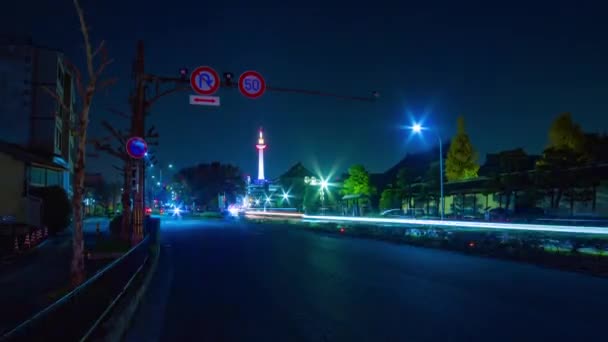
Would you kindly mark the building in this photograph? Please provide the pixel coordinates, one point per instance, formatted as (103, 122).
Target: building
(21, 171)
(32, 117)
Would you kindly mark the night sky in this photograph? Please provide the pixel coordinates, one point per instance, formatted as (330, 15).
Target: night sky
(508, 68)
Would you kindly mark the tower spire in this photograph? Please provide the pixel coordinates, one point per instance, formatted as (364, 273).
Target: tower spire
(261, 146)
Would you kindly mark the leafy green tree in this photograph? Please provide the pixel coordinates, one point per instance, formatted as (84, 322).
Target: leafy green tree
(390, 198)
(461, 162)
(358, 182)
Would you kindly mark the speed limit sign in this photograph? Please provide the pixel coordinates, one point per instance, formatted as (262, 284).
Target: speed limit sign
(252, 84)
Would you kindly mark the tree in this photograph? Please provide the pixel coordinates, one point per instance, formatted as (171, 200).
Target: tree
(566, 134)
(56, 207)
(86, 90)
(566, 151)
(390, 198)
(204, 182)
(461, 162)
(357, 182)
(511, 175)
(404, 185)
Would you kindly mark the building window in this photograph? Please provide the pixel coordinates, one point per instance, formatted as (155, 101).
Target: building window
(58, 137)
(53, 178)
(59, 73)
(37, 176)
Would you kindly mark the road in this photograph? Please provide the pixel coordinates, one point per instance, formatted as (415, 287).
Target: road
(221, 281)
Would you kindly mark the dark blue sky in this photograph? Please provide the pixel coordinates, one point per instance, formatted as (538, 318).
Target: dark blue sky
(508, 68)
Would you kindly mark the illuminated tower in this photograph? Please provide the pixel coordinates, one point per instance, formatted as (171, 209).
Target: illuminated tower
(261, 146)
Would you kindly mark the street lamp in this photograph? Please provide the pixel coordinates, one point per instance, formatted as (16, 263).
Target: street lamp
(417, 128)
(322, 184)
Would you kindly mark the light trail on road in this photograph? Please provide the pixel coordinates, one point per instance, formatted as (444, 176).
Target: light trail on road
(444, 223)
(270, 213)
(465, 224)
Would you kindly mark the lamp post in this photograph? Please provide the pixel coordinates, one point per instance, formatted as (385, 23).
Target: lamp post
(322, 184)
(417, 128)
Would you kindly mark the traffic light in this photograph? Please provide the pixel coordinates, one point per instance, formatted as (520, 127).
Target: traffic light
(228, 78)
(183, 73)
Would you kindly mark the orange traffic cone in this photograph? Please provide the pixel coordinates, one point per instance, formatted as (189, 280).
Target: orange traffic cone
(27, 243)
(16, 244)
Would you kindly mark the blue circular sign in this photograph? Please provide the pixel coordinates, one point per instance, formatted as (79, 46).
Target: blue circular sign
(137, 147)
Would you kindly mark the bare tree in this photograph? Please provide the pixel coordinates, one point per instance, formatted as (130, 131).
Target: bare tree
(86, 93)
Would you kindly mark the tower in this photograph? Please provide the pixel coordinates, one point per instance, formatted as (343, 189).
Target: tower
(261, 146)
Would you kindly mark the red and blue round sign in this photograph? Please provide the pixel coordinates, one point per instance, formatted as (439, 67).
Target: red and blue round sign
(136, 147)
(252, 84)
(204, 80)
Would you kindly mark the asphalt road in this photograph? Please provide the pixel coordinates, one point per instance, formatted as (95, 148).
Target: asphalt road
(220, 281)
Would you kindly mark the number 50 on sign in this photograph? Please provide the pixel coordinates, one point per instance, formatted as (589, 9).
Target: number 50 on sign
(252, 84)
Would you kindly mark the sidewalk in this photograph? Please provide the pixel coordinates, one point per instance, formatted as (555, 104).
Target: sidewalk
(38, 279)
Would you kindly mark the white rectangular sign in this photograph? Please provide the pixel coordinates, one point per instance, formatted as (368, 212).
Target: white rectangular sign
(202, 100)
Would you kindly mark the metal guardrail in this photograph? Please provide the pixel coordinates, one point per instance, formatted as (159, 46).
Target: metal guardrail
(71, 317)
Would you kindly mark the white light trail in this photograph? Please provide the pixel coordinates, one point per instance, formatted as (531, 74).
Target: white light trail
(467, 224)
(270, 213)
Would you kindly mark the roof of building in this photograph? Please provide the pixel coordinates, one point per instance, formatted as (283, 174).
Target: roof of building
(20, 153)
(297, 171)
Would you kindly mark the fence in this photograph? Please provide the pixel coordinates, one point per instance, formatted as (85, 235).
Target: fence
(71, 317)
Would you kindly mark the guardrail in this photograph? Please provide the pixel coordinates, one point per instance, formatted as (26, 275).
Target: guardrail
(74, 315)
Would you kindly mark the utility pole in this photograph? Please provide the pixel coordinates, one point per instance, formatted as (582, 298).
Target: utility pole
(138, 130)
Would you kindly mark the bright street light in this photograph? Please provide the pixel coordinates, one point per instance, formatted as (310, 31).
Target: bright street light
(285, 195)
(417, 128)
(324, 184)
(170, 166)
(158, 183)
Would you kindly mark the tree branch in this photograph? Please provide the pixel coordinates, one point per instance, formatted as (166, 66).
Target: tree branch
(151, 101)
(111, 151)
(119, 113)
(121, 169)
(99, 48)
(102, 66)
(115, 132)
(87, 43)
(56, 97)
(106, 83)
